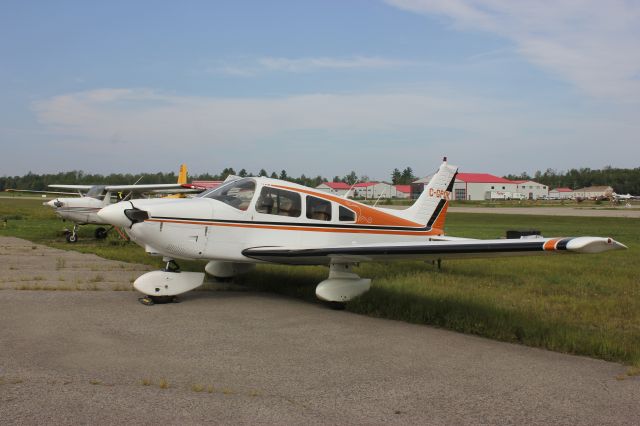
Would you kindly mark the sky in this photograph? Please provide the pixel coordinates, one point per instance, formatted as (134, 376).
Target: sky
(319, 87)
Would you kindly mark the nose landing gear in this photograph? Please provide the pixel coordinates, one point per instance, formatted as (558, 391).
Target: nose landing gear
(72, 236)
(164, 285)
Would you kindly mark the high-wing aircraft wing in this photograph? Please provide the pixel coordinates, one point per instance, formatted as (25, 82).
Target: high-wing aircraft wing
(76, 187)
(432, 250)
(143, 187)
(31, 191)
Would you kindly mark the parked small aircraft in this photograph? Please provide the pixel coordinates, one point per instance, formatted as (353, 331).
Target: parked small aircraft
(260, 220)
(81, 207)
(627, 197)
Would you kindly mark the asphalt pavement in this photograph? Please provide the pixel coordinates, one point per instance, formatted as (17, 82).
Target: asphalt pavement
(100, 357)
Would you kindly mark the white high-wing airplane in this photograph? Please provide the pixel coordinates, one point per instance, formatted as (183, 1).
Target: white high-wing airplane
(261, 220)
(82, 209)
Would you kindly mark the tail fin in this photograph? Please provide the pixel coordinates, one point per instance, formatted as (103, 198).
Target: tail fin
(182, 176)
(431, 207)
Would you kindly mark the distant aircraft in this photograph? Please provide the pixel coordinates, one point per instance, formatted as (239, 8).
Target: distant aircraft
(260, 220)
(89, 199)
(618, 197)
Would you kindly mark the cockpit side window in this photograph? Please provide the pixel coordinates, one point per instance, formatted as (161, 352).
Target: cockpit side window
(346, 215)
(237, 194)
(318, 209)
(279, 202)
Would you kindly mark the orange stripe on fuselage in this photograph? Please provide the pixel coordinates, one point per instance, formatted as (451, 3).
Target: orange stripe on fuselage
(302, 228)
(364, 214)
(551, 244)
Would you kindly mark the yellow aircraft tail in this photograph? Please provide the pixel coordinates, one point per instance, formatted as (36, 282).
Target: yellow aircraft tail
(182, 176)
(182, 179)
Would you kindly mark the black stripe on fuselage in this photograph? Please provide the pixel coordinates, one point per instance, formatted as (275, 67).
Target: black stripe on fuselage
(298, 224)
(562, 244)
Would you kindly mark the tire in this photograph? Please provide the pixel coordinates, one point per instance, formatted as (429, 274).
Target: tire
(72, 238)
(100, 233)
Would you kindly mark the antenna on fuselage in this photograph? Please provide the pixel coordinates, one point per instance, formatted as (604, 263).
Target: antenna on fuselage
(380, 196)
(346, 195)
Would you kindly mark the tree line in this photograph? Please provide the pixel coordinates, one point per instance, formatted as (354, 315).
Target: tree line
(39, 182)
(622, 181)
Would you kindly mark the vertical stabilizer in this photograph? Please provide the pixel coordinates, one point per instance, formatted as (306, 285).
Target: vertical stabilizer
(431, 206)
(182, 176)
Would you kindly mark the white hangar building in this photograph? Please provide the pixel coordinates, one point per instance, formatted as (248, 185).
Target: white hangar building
(561, 194)
(335, 188)
(484, 186)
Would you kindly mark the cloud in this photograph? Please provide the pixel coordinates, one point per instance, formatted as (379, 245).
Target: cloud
(592, 44)
(140, 115)
(320, 63)
(326, 133)
(249, 68)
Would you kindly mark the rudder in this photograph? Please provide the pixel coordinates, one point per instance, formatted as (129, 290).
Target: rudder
(431, 206)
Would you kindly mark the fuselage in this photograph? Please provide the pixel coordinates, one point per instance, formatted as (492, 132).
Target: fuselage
(259, 212)
(80, 210)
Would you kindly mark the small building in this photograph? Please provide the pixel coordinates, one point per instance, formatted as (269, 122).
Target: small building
(594, 192)
(485, 186)
(373, 190)
(335, 188)
(402, 191)
(561, 194)
(475, 186)
(531, 190)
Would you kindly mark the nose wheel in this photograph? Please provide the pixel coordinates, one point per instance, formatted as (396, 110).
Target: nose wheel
(72, 236)
(153, 300)
(164, 285)
(171, 266)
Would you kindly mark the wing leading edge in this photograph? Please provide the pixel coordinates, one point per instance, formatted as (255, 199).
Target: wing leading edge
(432, 250)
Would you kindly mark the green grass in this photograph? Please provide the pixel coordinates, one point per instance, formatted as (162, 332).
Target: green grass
(580, 304)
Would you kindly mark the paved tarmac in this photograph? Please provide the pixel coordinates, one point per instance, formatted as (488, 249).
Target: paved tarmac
(100, 357)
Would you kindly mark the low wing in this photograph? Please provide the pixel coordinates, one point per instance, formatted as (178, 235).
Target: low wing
(432, 250)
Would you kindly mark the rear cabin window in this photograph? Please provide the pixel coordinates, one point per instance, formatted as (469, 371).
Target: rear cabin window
(279, 202)
(346, 215)
(318, 209)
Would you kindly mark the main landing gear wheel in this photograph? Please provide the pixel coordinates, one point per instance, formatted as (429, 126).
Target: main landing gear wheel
(100, 233)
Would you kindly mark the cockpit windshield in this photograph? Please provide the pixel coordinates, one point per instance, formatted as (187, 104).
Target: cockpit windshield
(96, 192)
(237, 194)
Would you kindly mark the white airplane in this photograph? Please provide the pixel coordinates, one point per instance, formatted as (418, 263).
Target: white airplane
(82, 209)
(627, 197)
(260, 220)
